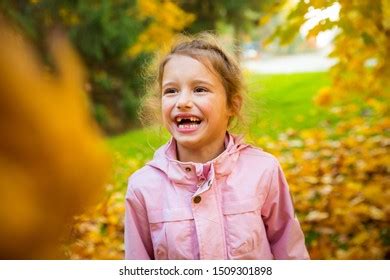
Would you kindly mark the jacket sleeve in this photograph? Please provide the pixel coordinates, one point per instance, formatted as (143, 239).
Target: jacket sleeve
(283, 229)
(138, 244)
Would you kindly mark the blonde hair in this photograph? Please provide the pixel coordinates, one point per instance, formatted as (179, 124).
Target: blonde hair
(205, 48)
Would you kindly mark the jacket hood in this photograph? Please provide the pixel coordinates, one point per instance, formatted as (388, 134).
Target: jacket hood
(185, 173)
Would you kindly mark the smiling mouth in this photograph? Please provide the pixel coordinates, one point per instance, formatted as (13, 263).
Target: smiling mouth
(187, 122)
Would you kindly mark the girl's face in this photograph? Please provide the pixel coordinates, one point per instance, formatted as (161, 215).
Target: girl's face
(194, 105)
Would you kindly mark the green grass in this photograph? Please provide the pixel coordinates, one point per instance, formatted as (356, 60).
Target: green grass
(277, 102)
(285, 101)
(139, 143)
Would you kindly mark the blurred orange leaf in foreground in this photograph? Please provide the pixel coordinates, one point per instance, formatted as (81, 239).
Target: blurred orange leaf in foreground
(53, 162)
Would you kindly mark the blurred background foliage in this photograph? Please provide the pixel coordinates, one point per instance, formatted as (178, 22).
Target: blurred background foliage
(114, 38)
(330, 130)
(361, 45)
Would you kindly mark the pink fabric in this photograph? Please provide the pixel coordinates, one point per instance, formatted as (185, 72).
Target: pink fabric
(245, 209)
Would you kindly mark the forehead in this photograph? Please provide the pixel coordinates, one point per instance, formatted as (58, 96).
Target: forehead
(186, 67)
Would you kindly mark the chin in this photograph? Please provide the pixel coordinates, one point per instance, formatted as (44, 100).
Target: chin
(188, 141)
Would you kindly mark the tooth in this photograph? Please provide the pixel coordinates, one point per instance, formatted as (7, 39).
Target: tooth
(179, 119)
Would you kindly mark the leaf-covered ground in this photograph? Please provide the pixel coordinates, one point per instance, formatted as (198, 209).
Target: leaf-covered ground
(336, 161)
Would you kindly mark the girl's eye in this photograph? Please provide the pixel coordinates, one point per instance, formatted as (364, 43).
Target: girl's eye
(201, 89)
(170, 91)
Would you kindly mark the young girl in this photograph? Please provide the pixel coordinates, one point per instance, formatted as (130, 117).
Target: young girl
(206, 194)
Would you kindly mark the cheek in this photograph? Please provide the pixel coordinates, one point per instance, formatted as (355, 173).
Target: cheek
(216, 110)
(166, 108)
(207, 108)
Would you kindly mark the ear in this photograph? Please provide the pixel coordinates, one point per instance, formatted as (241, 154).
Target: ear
(235, 105)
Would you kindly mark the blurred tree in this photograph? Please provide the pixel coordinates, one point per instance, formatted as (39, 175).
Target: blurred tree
(105, 33)
(362, 44)
(165, 20)
(241, 15)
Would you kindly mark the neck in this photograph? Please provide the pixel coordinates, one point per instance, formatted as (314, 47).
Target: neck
(201, 155)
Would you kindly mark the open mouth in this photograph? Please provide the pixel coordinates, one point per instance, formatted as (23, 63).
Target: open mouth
(187, 122)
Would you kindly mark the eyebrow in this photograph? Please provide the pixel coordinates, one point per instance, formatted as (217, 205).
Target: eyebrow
(168, 84)
(200, 81)
(197, 81)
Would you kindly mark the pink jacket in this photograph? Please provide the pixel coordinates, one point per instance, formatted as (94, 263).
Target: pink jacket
(236, 206)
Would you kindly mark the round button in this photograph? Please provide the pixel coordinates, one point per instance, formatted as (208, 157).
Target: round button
(197, 199)
(188, 169)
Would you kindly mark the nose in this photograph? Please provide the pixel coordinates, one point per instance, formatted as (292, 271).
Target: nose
(184, 100)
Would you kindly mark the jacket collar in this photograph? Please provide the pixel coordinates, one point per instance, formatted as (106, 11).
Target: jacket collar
(190, 173)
